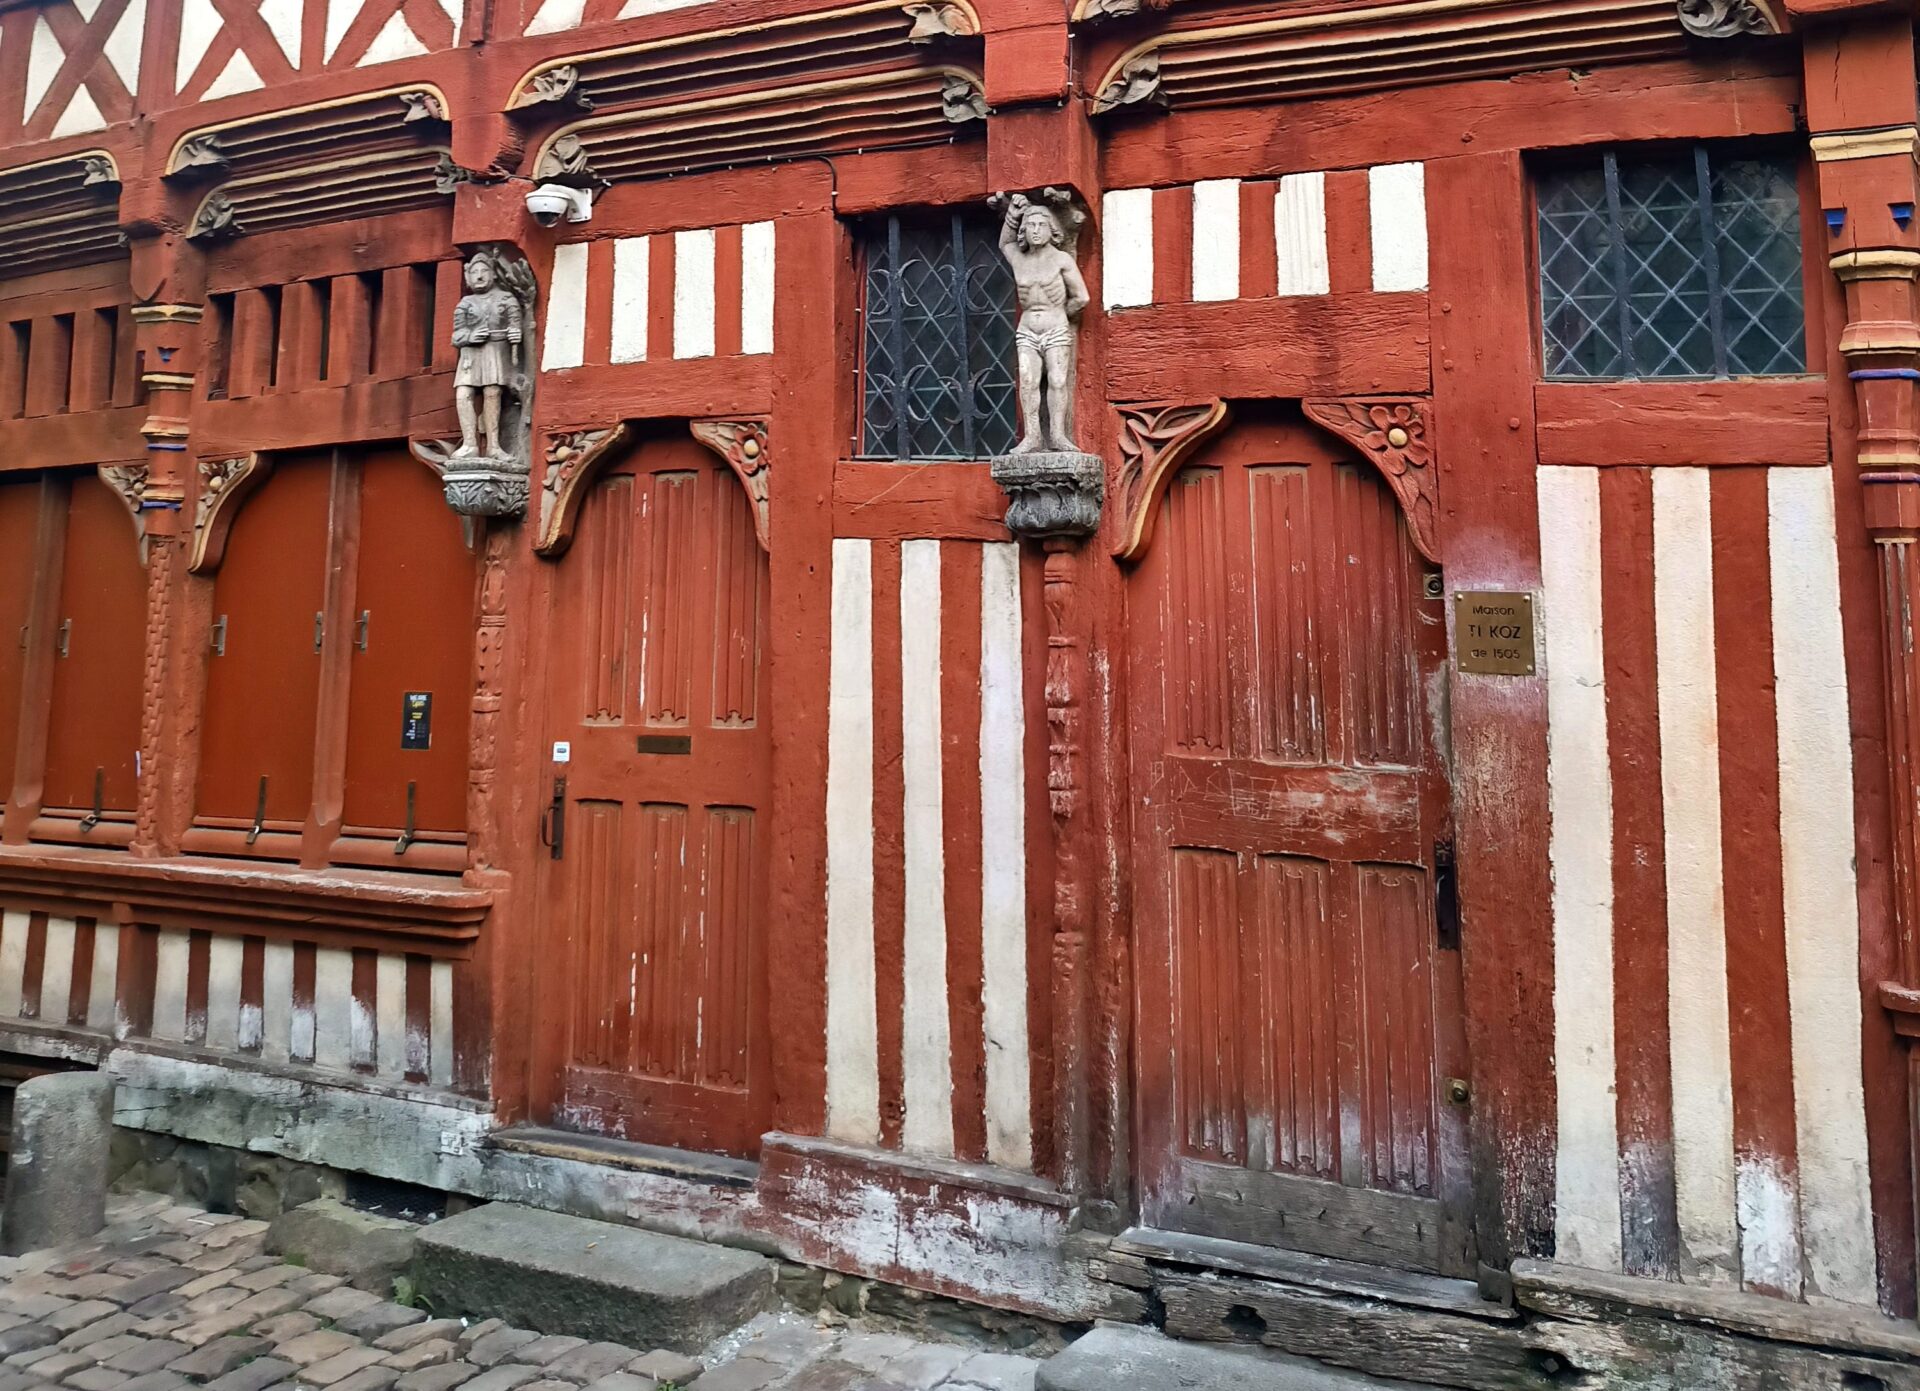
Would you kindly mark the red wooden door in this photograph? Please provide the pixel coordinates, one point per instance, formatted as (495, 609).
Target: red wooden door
(1300, 1014)
(657, 899)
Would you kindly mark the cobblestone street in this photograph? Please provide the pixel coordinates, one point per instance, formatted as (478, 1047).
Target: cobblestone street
(172, 1298)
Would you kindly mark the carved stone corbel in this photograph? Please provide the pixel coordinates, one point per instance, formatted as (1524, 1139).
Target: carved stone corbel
(1156, 438)
(555, 87)
(1136, 84)
(129, 484)
(1726, 19)
(743, 444)
(962, 100)
(939, 20)
(573, 457)
(216, 220)
(223, 485)
(1395, 433)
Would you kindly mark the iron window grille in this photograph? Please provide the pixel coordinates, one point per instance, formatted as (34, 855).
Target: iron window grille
(1672, 266)
(937, 344)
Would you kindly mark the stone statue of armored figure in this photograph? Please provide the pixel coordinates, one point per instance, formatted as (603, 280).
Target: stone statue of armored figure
(1038, 240)
(488, 327)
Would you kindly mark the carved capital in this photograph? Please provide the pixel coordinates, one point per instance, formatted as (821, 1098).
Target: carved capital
(572, 458)
(1136, 84)
(743, 444)
(223, 485)
(1725, 19)
(1396, 434)
(1052, 493)
(1156, 437)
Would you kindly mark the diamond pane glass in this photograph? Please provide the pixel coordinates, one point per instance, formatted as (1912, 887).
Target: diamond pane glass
(938, 343)
(1681, 266)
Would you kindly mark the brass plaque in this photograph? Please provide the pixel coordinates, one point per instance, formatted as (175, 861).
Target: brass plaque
(1493, 632)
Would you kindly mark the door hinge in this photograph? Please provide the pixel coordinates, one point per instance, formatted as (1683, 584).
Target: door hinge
(63, 641)
(219, 636)
(319, 630)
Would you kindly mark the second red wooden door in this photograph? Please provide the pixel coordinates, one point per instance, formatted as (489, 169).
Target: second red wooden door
(655, 998)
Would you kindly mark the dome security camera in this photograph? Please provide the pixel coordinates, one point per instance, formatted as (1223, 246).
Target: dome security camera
(550, 202)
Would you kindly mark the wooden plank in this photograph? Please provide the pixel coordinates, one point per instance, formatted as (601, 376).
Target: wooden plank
(1339, 344)
(886, 501)
(1313, 1215)
(1640, 424)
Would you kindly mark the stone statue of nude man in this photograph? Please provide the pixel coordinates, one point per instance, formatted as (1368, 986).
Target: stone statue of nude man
(487, 330)
(1052, 294)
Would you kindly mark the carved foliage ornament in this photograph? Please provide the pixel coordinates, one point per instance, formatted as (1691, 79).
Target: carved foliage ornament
(1726, 19)
(224, 483)
(200, 153)
(1396, 434)
(1156, 437)
(939, 20)
(572, 458)
(421, 106)
(99, 173)
(555, 86)
(743, 444)
(1136, 84)
(215, 220)
(961, 100)
(129, 484)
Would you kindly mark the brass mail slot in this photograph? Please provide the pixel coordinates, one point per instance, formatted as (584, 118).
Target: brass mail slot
(665, 743)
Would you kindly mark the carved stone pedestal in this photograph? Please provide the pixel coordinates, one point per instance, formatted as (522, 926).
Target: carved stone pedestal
(1052, 492)
(487, 485)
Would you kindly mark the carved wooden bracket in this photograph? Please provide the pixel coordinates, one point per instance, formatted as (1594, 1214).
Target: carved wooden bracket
(129, 484)
(1155, 439)
(743, 444)
(573, 457)
(1396, 433)
(224, 484)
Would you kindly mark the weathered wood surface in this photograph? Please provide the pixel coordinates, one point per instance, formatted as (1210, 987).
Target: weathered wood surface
(1687, 423)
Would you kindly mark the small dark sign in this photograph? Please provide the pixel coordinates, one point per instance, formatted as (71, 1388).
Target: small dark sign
(416, 720)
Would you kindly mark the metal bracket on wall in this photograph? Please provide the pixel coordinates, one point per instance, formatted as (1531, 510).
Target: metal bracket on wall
(219, 636)
(64, 641)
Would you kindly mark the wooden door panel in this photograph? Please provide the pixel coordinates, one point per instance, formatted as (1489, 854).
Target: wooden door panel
(19, 528)
(94, 727)
(661, 893)
(1299, 1021)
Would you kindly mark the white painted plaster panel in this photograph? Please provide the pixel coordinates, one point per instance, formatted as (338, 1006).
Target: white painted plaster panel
(1697, 1014)
(171, 959)
(333, 1008)
(1300, 234)
(199, 24)
(1822, 910)
(631, 263)
(1397, 209)
(925, 1042)
(634, 8)
(56, 972)
(80, 116)
(1216, 239)
(1126, 247)
(390, 1027)
(101, 1001)
(224, 957)
(693, 293)
(1003, 860)
(340, 17)
(557, 15)
(44, 60)
(276, 1002)
(282, 18)
(756, 287)
(236, 77)
(1580, 852)
(14, 927)
(853, 1039)
(123, 44)
(395, 40)
(440, 1024)
(565, 344)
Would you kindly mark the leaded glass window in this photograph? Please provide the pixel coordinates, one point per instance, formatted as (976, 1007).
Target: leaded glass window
(937, 348)
(1684, 265)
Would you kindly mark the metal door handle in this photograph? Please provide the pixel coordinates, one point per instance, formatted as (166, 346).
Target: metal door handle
(553, 825)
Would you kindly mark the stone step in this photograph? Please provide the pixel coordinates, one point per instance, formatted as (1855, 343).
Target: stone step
(595, 1280)
(1115, 1358)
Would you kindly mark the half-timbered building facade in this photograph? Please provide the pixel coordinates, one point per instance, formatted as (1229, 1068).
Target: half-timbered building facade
(1414, 847)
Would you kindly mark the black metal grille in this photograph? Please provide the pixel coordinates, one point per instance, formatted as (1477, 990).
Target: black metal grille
(937, 360)
(1684, 266)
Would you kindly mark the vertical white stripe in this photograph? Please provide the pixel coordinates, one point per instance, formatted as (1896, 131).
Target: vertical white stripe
(632, 261)
(1300, 234)
(1003, 859)
(1216, 239)
(390, 995)
(440, 1024)
(333, 1008)
(276, 1002)
(853, 1037)
(693, 293)
(566, 342)
(1822, 909)
(756, 287)
(13, 961)
(925, 1044)
(224, 957)
(102, 1012)
(1397, 209)
(172, 956)
(56, 972)
(1580, 852)
(1697, 1017)
(1126, 247)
